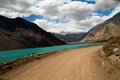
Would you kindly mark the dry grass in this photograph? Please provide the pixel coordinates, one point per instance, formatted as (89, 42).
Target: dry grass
(109, 47)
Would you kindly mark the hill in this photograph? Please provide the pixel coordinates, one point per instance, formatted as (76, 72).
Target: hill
(104, 31)
(19, 33)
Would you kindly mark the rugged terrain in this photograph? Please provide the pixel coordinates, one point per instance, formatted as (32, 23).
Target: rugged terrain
(73, 37)
(19, 33)
(73, 64)
(105, 30)
(111, 50)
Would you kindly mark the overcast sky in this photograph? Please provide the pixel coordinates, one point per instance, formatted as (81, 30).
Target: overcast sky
(61, 16)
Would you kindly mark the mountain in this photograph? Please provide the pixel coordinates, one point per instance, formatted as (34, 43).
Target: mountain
(105, 30)
(18, 33)
(72, 37)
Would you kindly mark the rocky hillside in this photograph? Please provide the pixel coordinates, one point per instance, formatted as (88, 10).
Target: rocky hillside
(19, 33)
(112, 47)
(111, 51)
(73, 37)
(104, 31)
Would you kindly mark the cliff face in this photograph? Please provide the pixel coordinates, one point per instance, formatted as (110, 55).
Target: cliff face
(19, 33)
(105, 30)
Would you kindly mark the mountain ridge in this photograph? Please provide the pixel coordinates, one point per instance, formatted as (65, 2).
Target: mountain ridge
(104, 31)
(20, 33)
(71, 38)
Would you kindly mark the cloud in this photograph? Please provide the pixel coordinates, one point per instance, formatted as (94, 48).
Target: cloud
(92, 21)
(102, 4)
(117, 0)
(117, 9)
(50, 8)
(90, 0)
(60, 15)
(72, 26)
(58, 27)
(77, 10)
(17, 8)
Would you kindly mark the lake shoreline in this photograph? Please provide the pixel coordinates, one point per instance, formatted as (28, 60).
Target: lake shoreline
(10, 55)
(8, 66)
(78, 62)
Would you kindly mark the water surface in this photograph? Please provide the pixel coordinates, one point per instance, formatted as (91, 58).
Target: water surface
(10, 55)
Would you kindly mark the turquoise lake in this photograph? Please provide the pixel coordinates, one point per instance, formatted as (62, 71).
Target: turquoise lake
(10, 55)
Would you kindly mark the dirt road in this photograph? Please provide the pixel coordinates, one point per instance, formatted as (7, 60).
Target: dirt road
(74, 64)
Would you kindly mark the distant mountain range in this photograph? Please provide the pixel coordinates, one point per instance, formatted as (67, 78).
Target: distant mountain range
(104, 31)
(19, 33)
(100, 32)
(72, 37)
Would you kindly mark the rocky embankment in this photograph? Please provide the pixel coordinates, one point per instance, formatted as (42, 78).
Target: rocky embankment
(111, 51)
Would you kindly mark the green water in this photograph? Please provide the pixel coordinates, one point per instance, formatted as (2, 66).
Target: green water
(10, 55)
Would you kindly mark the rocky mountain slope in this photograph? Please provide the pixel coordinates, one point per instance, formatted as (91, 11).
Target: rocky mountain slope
(105, 30)
(111, 51)
(112, 47)
(73, 37)
(19, 33)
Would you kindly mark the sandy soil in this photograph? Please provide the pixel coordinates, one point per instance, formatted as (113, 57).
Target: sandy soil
(74, 64)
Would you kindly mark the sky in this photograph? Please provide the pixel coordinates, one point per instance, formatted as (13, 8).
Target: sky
(61, 16)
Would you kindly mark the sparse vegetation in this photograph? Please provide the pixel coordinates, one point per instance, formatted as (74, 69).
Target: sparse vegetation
(111, 45)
